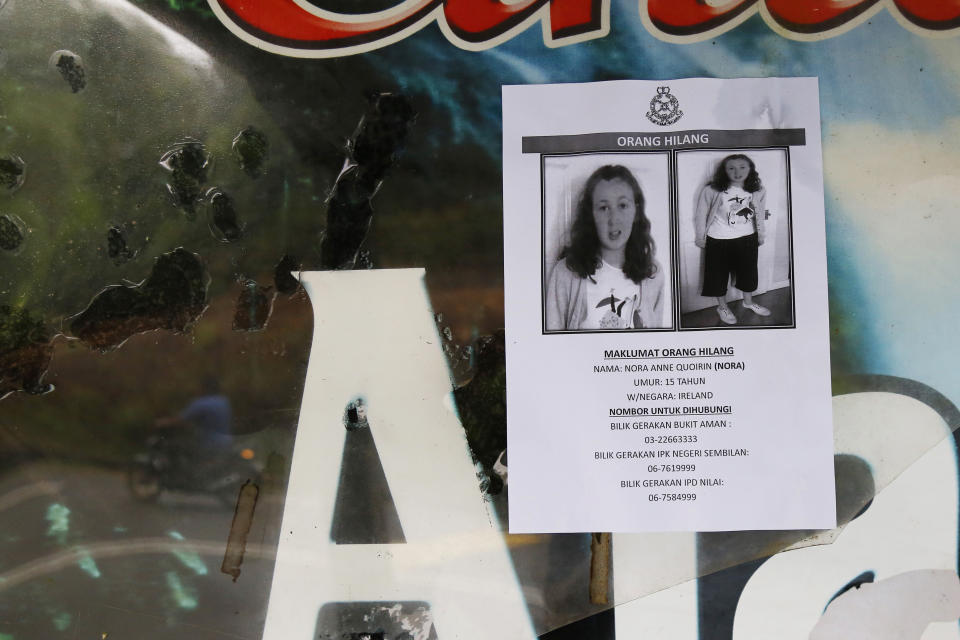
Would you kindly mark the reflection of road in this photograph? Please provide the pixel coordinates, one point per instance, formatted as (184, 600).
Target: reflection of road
(78, 555)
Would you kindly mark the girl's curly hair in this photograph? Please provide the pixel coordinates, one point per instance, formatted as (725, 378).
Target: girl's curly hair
(721, 181)
(582, 255)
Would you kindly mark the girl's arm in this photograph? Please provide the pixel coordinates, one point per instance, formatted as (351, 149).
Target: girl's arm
(760, 213)
(702, 213)
(658, 284)
(558, 297)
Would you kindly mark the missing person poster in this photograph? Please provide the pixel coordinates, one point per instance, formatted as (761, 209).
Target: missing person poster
(666, 307)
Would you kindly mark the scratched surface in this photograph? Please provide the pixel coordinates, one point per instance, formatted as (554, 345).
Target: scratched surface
(159, 180)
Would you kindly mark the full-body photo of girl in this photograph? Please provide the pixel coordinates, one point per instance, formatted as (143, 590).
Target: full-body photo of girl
(730, 227)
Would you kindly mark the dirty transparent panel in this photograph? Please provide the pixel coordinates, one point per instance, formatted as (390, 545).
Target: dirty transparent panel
(160, 182)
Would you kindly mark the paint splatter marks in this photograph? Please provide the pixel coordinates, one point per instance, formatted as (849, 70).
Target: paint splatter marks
(183, 596)
(59, 518)
(173, 297)
(240, 529)
(187, 162)
(254, 306)
(372, 151)
(26, 347)
(459, 358)
(386, 620)
(13, 172)
(223, 220)
(251, 149)
(70, 67)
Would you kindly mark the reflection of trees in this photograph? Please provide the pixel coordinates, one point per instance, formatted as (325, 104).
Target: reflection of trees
(92, 157)
(97, 213)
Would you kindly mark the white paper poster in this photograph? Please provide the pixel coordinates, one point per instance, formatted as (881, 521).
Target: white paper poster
(666, 307)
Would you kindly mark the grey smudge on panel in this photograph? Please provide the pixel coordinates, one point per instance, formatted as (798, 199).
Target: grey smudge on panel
(254, 307)
(26, 347)
(251, 148)
(240, 529)
(187, 162)
(371, 152)
(11, 232)
(117, 248)
(172, 297)
(283, 278)
(13, 171)
(224, 224)
(70, 67)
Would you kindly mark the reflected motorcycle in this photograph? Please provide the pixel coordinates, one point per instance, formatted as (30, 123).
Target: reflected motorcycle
(168, 464)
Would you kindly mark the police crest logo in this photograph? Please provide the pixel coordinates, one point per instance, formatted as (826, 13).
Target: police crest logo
(664, 108)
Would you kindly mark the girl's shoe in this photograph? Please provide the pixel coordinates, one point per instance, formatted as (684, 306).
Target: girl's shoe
(757, 309)
(727, 316)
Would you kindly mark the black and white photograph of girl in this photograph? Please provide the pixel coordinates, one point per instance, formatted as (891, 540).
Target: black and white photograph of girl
(607, 243)
(734, 239)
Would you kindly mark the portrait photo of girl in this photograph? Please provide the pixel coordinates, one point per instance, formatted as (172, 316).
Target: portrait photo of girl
(606, 243)
(735, 254)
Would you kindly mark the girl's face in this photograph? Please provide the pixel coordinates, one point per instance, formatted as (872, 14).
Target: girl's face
(737, 170)
(614, 211)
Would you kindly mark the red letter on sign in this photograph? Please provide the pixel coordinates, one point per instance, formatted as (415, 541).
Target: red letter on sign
(283, 26)
(815, 16)
(485, 21)
(931, 14)
(691, 17)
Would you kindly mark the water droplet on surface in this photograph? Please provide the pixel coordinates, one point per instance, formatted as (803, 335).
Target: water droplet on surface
(11, 232)
(223, 217)
(447, 333)
(251, 148)
(70, 66)
(188, 163)
(13, 171)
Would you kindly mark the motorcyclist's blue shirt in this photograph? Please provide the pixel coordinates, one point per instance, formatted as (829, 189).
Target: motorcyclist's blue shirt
(212, 418)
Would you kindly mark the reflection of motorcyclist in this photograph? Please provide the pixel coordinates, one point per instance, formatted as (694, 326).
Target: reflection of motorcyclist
(207, 424)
